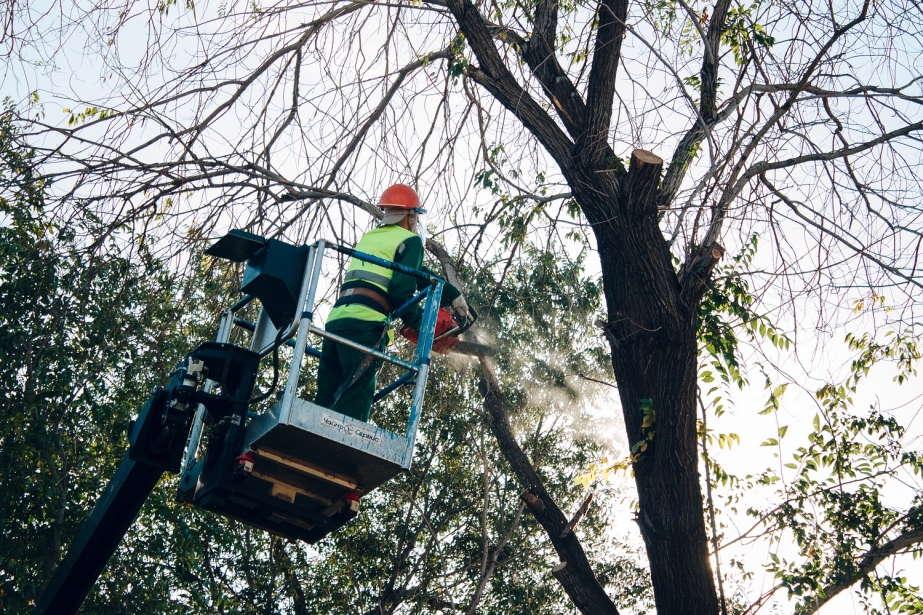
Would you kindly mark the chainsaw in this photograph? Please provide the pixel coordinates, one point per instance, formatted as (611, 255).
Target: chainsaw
(446, 337)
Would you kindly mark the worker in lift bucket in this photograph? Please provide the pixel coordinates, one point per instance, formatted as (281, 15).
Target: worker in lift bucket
(346, 377)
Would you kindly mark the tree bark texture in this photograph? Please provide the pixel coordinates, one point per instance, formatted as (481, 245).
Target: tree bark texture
(651, 333)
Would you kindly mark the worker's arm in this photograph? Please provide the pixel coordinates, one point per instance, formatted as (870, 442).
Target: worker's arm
(449, 292)
(403, 286)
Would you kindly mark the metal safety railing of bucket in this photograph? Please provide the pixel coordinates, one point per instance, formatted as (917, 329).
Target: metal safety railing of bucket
(265, 337)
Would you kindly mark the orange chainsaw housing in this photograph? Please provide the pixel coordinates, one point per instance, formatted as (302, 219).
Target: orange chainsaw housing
(444, 322)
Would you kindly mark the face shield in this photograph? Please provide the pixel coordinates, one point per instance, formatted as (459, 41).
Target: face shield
(420, 228)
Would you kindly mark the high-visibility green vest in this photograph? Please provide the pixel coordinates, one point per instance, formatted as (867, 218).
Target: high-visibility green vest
(382, 242)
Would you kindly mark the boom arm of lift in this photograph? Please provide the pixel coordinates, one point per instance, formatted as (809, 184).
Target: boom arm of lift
(157, 441)
(157, 438)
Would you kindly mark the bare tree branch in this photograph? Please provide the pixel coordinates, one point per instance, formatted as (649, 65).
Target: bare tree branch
(761, 168)
(578, 578)
(858, 249)
(594, 141)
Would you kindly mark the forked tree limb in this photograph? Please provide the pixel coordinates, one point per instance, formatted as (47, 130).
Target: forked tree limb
(567, 101)
(539, 53)
(511, 95)
(497, 79)
(695, 274)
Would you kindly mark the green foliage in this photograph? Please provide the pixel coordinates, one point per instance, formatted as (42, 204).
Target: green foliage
(898, 595)
(904, 349)
(517, 215)
(662, 13)
(647, 426)
(775, 396)
(458, 63)
(833, 505)
(694, 82)
(20, 186)
(727, 306)
(489, 178)
(742, 33)
(163, 6)
(89, 113)
(81, 334)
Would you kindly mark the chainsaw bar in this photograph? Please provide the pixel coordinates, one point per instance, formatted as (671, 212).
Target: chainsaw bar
(474, 349)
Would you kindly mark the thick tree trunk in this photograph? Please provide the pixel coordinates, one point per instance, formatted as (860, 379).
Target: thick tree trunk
(651, 332)
(666, 473)
(651, 327)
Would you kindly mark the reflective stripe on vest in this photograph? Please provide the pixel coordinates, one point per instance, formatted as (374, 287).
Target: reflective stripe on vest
(368, 276)
(382, 242)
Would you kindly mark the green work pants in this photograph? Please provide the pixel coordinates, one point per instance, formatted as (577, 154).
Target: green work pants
(339, 364)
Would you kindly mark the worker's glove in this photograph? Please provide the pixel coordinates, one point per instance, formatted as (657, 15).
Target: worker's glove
(460, 307)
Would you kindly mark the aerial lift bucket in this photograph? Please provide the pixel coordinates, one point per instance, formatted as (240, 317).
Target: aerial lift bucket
(297, 469)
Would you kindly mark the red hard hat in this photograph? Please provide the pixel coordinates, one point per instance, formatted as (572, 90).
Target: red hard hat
(399, 196)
